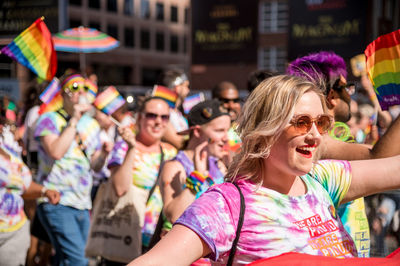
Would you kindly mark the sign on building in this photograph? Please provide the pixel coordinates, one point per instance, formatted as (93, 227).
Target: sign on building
(329, 25)
(224, 31)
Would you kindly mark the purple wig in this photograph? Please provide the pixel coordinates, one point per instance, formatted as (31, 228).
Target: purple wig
(326, 65)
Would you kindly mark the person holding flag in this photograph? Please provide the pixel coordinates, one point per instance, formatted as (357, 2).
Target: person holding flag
(69, 146)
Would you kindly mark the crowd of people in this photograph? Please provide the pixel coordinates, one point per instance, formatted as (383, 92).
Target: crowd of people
(303, 164)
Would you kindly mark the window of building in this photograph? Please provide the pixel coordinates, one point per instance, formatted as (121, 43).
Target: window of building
(144, 9)
(129, 40)
(274, 17)
(112, 5)
(174, 14)
(145, 39)
(94, 4)
(174, 43)
(75, 2)
(94, 25)
(184, 44)
(112, 30)
(150, 75)
(6, 66)
(272, 58)
(160, 11)
(128, 7)
(186, 16)
(74, 23)
(160, 41)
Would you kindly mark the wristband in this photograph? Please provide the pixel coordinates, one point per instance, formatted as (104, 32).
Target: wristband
(373, 97)
(195, 181)
(43, 191)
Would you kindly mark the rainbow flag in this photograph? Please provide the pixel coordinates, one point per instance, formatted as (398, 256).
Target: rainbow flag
(383, 68)
(168, 95)
(51, 90)
(109, 100)
(34, 49)
(54, 104)
(191, 101)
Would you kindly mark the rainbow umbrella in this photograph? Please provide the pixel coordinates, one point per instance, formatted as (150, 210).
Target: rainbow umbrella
(83, 40)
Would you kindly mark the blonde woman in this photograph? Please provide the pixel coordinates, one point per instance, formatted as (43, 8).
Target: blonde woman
(290, 197)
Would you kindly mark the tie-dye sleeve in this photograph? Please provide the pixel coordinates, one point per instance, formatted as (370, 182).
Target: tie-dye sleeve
(118, 153)
(210, 217)
(335, 177)
(48, 124)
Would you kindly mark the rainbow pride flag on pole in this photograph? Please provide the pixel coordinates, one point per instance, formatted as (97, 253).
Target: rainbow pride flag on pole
(34, 49)
(109, 100)
(168, 95)
(383, 68)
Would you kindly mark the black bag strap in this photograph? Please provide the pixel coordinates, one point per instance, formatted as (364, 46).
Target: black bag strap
(239, 226)
(158, 175)
(78, 139)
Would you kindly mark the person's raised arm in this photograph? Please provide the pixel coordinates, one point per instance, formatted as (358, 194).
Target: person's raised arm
(99, 157)
(386, 146)
(57, 145)
(373, 176)
(121, 176)
(175, 198)
(181, 246)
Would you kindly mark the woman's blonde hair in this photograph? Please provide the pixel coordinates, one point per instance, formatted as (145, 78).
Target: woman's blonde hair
(264, 116)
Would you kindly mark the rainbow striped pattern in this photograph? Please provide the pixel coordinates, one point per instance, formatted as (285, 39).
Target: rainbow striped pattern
(51, 90)
(168, 95)
(191, 101)
(55, 104)
(70, 80)
(109, 100)
(34, 49)
(92, 92)
(383, 68)
(84, 40)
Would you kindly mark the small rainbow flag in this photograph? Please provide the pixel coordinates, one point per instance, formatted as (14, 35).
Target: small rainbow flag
(51, 90)
(168, 95)
(191, 101)
(109, 100)
(383, 68)
(34, 49)
(55, 104)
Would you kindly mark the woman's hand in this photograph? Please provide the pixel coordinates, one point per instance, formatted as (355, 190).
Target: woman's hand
(52, 195)
(128, 136)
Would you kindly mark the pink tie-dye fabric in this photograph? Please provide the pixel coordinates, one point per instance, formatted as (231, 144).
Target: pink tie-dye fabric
(275, 223)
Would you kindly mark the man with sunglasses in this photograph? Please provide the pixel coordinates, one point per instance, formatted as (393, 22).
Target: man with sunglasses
(176, 81)
(228, 94)
(69, 146)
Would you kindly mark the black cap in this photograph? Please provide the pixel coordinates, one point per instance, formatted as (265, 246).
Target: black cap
(203, 113)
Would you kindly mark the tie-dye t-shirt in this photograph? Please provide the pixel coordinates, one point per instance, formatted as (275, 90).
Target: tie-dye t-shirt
(15, 178)
(145, 173)
(275, 223)
(71, 174)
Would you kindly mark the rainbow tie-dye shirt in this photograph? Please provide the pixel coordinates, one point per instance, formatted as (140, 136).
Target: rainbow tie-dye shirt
(145, 173)
(15, 178)
(71, 174)
(275, 223)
